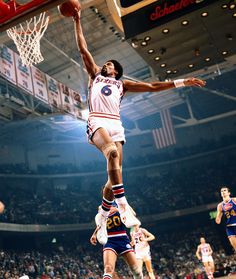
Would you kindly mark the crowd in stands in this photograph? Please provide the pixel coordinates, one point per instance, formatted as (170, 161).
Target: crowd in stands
(180, 186)
(169, 154)
(173, 257)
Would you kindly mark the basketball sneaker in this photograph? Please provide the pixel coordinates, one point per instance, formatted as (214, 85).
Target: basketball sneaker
(127, 216)
(101, 222)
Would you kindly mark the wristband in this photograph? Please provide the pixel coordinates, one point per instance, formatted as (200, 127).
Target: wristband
(179, 82)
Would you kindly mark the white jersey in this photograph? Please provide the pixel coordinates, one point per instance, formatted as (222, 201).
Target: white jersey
(140, 242)
(105, 96)
(205, 249)
(142, 248)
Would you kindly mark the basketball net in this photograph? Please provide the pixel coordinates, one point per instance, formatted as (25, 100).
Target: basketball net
(26, 37)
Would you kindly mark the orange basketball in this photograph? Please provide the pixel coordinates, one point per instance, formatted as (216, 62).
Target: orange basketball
(2, 207)
(68, 8)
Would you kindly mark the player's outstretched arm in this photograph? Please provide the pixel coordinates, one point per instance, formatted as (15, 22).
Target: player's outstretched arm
(219, 213)
(161, 85)
(88, 60)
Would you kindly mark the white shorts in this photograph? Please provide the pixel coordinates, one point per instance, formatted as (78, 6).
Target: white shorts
(206, 259)
(113, 126)
(143, 254)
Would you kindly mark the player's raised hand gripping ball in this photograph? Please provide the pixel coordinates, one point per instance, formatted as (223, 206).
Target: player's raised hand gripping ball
(68, 8)
(2, 207)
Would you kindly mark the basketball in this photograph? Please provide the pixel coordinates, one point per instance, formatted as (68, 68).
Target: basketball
(2, 207)
(67, 9)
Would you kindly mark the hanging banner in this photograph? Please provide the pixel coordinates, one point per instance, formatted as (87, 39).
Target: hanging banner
(54, 96)
(77, 103)
(23, 75)
(7, 64)
(39, 84)
(66, 99)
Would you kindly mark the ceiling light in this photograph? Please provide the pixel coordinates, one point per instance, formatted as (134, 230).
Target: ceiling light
(150, 51)
(163, 65)
(134, 43)
(165, 31)
(157, 58)
(185, 22)
(224, 6)
(232, 6)
(207, 59)
(175, 71)
(143, 43)
(234, 15)
(204, 14)
(224, 52)
(168, 71)
(147, 38)
(190, 65)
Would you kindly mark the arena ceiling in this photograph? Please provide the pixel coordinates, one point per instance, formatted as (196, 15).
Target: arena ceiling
(200, 43)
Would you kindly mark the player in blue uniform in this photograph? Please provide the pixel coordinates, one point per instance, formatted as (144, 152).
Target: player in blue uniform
(228, 208)
(118, 244)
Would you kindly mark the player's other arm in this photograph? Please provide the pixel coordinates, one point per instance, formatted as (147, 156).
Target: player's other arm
(198, 252)
(159, 85)
(132, 242)
(210, 250)
(89, 62)
(219, 213)
(148, 236)
(93, 238)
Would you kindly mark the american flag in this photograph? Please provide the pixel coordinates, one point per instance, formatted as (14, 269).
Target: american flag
(164, 135)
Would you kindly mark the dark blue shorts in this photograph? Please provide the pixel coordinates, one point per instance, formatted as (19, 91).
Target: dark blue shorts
(118, 244)
(231, 231)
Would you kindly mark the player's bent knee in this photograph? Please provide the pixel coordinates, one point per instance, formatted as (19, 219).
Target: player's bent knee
(110, 151)
(108, 268)
(137, 272)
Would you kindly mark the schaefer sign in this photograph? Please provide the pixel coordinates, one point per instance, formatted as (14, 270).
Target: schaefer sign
(158, 13)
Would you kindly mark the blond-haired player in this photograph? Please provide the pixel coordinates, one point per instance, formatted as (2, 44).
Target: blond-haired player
(140, 238)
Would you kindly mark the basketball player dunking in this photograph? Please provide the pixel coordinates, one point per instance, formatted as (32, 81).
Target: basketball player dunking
(118, 244)
(228, 208)
(204, 253)
(105, 129)
(140, 238)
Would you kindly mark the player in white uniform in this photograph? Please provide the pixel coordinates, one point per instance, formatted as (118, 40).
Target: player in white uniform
(204, 253)
(140, 238)
(105, 130)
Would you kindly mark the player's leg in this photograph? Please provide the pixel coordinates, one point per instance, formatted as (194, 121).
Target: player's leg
(232, 240)
(109, 261)
(133, 264)
(208, 270)
(104, 143)
(149, 268)
(107, 190)
(212, 266)
(117, 191)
